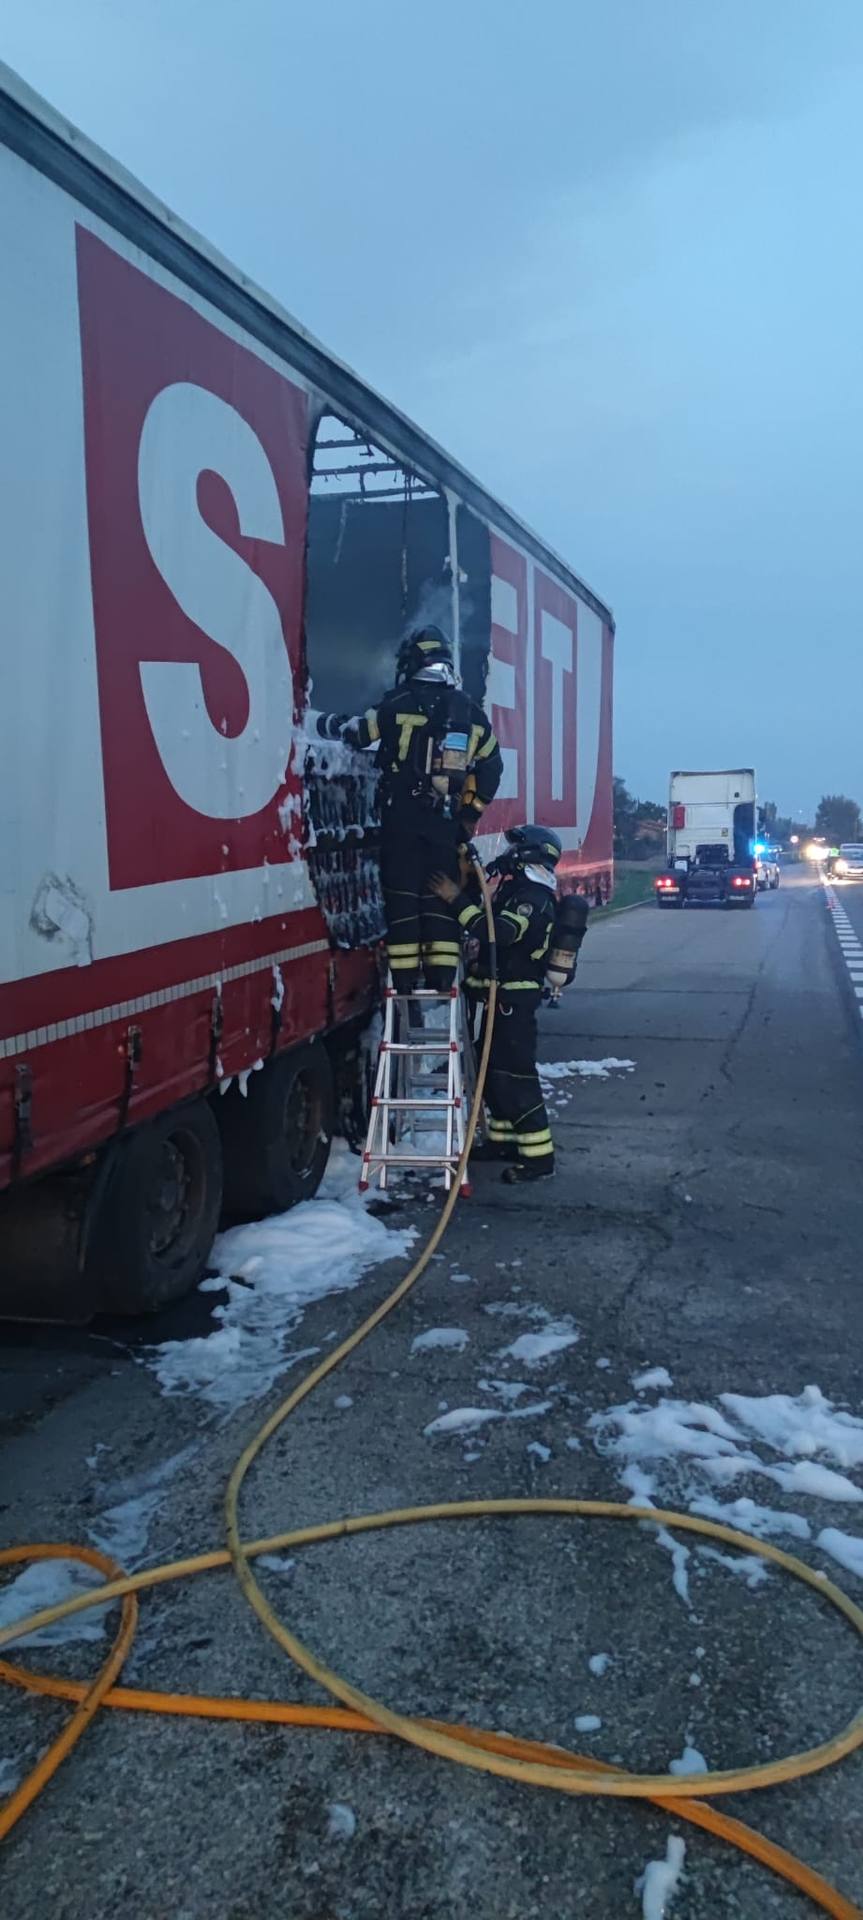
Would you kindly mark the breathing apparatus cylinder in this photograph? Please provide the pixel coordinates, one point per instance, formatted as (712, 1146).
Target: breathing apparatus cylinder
(570, 927)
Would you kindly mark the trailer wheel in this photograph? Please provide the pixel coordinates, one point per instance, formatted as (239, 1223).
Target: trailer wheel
(276, 1141)
(155, 1212)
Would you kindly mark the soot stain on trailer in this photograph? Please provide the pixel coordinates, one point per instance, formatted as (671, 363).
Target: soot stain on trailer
(377, 565)
(60, 911)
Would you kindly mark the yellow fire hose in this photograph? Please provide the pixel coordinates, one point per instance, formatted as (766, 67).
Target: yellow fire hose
(531, 1762)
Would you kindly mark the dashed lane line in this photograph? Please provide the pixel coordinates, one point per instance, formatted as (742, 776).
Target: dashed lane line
(850, 945)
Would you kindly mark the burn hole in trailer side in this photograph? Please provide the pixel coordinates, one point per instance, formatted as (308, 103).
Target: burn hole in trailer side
(377, 565)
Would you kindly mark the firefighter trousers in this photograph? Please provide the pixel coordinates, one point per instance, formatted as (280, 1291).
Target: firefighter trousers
(422, 931)
(515, 1108)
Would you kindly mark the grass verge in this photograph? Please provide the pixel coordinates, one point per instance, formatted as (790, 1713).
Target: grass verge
(631, 889)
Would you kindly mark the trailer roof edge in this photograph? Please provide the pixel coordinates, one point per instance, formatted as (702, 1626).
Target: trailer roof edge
(49, 141)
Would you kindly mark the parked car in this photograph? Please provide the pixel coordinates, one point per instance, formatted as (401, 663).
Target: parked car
(847, 864)
(766, 871)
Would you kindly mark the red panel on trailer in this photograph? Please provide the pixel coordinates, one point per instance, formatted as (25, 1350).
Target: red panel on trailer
(196, 496)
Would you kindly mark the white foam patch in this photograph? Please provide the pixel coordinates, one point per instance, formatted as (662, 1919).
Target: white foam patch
(550, 1070)
(533, 1348)
(802, 1427)
(689, 1761)
(657, 1433)
(847, 1548)
(806, 1476)
(660, 1880)
(680, 1558)
(463, 1420)
(698, 1432)
(47, 1583)
(651, 1377)
(452, 1337)
(123, 1531)
(509, 1391)
(341, 1821)
(748, 1517)
(642, 1486)
(273, 1269)
(677, 1432)
(746, 1565)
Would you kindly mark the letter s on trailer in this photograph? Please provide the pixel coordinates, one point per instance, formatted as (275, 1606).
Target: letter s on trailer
(208, 527)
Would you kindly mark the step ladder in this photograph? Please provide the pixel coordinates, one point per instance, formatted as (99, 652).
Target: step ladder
(424, 1086)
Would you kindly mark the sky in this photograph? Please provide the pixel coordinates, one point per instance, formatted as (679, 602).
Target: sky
(611, 256)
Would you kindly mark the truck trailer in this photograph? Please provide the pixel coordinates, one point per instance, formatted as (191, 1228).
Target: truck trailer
(211, 527)
(710, 841)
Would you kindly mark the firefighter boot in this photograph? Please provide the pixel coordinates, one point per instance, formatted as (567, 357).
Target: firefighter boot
(493, 1150)
(529, 1170)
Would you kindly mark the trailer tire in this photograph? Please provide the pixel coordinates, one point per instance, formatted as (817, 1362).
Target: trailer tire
(276, 1141)
(155, 1212)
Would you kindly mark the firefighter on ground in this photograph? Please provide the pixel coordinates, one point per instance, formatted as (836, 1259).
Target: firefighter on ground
(525, 912)
(440, 766)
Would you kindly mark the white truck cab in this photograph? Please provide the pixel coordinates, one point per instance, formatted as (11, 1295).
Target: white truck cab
(710, 839)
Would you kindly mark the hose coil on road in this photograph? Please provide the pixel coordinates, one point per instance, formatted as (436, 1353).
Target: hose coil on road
(531, 1762)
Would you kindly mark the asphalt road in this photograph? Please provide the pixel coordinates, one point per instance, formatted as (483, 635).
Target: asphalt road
(707, 1218)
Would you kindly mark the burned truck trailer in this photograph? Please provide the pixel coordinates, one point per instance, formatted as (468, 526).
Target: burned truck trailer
(210, 527)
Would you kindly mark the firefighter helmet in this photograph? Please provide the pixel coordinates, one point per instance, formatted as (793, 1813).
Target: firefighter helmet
(425, 647)
(535, 846)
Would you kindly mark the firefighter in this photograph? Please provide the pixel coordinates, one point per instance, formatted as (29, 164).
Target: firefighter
(525, 911)
(440, 766)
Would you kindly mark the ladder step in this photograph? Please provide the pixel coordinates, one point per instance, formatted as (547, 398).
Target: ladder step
(431, 1106)
(423, 993)
(423, 1087)
(411, 1160)
(408, 1046)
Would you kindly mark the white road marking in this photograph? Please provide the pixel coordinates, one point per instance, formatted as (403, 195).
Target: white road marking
(849, 943)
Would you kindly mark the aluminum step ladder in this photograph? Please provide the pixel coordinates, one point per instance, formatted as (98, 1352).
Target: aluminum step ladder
(424, 1086)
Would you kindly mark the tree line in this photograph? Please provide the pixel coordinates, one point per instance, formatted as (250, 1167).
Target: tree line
(837, 819)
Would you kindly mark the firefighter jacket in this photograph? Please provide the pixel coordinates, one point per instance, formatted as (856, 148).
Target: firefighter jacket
(436, 749)
(525, 910)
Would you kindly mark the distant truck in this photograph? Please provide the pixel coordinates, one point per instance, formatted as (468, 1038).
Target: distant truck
(711, 841)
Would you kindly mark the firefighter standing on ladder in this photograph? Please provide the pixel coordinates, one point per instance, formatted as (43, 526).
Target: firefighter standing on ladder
(525, 913)
(440, 766)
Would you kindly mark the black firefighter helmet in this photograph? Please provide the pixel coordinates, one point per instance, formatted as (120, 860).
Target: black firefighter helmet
(425, 647)
(533, 846)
